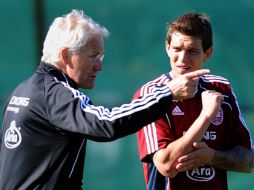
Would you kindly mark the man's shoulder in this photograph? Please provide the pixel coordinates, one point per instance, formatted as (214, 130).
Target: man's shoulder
(35, 85)
(216, 82)
(214, 79)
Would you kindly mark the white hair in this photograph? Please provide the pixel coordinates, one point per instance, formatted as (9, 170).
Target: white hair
(70, 31)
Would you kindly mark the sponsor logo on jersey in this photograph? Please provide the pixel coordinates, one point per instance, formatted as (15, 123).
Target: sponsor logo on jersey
(210, 135)
(19, 101)
(218, 118)
(201, 174)
(12, 137)
(177, 111)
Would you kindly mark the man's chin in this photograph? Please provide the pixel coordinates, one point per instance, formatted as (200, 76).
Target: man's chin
(88, 86)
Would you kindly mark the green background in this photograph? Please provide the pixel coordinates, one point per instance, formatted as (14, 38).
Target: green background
(134, 54)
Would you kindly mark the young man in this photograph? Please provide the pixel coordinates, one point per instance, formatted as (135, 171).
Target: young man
(169, 159)
(47, 120)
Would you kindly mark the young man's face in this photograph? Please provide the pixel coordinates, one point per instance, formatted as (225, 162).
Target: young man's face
(85, 65)
(186, 53)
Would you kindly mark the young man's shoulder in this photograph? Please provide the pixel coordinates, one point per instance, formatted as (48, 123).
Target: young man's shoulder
(214, 78)
(216, 82)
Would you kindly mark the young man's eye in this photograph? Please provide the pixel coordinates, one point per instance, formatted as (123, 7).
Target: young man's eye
(193, 52)
(176, 49)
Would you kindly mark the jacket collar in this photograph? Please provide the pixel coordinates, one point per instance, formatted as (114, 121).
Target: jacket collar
(55, 72)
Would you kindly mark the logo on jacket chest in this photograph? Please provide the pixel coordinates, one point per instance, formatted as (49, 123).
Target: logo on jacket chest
(12, 137)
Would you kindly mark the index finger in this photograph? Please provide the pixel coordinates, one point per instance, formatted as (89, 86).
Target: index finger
(197, 73)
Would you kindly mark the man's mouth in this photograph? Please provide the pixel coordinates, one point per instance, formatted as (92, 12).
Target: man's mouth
(183, 67)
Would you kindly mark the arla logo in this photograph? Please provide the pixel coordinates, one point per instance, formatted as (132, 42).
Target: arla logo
(201, 174)
(12, 137)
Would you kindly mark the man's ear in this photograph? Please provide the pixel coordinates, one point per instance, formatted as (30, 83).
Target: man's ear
(64, 56)
(167, 47)
(208, 53)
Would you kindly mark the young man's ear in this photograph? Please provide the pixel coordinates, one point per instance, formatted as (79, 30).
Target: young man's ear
(208, 53)
(167, 48)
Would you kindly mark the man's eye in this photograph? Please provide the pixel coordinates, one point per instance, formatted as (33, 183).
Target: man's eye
(177, 49)
(93, 56)
(97, 57)
(192, 52)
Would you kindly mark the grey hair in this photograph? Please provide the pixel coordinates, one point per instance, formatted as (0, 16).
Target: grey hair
(70, 31)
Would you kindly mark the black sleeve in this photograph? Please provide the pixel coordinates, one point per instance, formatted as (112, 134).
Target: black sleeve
(71, 110)
(0, 139)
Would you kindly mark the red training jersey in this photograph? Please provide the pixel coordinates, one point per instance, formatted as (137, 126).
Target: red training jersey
(227, 130)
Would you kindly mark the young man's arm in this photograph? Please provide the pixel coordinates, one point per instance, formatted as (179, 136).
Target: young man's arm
(165, 159)
(238, 159)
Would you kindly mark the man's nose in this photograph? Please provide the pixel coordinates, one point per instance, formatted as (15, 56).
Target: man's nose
(98, 65)
(183, 56)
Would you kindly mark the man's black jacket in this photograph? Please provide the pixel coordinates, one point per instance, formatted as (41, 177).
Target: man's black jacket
(47, 121)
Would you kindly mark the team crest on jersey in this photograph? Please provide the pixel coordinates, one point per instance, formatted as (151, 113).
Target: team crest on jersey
(12, 137)
(218, 118)
(201, 174)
